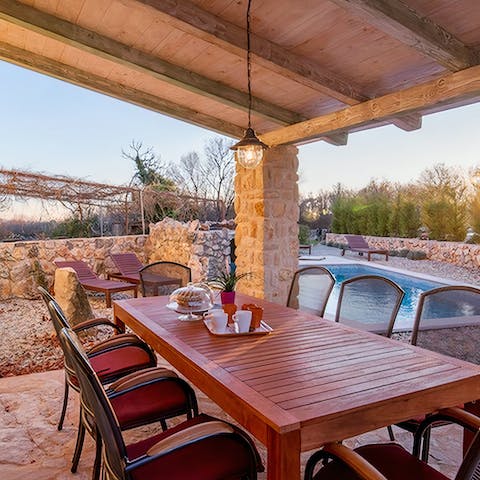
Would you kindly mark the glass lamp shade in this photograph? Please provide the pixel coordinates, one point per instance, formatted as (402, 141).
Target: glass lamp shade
(249, 150)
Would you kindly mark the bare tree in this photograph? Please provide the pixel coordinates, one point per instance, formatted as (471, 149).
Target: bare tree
(219, 172)
(208, 177)
(188, 175)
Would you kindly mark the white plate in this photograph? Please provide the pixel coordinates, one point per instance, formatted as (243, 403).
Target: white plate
(204, 307)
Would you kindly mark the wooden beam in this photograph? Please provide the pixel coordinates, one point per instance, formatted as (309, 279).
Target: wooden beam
(406, 25)
(109, 49)
(195, 21)
(459, 87)
(339, 139)
(84, 79)
(409, 123)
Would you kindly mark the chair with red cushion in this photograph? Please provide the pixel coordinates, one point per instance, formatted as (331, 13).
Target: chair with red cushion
(142, 397)
(201, 448)
(391, 461)
(372, 296)
(447, 321)
(116, 341)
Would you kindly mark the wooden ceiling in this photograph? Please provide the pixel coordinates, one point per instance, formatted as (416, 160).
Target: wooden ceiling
(320, 68)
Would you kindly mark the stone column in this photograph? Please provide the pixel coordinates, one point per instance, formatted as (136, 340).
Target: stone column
(266, 237)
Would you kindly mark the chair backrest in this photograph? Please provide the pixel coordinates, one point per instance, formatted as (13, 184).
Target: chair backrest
(370, 298)
(95, 402)
(447, 321)
(57, 316)
(356, 241)
(310, 289)
(83, 271)
(127, 263)
(470, 467)
(161, 278)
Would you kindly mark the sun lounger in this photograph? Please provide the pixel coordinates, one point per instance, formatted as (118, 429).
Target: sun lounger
(90, 281)
(128, 266)
(356, 243)
(306, 247)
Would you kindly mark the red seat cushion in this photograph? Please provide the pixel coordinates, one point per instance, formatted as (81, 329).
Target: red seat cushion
(120, 361)
(392, 460)
(161, 399)
(217, 458)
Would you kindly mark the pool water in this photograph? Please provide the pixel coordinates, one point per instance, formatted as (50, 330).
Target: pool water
(413, 287)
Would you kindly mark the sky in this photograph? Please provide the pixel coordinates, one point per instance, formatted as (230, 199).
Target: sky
(53, 127)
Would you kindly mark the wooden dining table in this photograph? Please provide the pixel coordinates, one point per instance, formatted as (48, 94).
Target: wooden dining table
(308, 382)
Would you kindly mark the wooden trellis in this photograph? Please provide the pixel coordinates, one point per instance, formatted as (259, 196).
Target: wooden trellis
(74, 191)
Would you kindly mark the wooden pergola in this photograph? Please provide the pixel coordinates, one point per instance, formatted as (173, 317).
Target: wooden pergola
(321, 69)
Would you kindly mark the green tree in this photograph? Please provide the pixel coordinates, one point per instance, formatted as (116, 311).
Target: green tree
(149, 169)
(76, 227)
(445, 201)
(150, 175)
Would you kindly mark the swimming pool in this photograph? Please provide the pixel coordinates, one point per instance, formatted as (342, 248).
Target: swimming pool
(413, 287)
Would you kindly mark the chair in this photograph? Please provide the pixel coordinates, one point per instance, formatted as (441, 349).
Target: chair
(201, 448)
(144, 396)
(159, 277)
(369, 297)
(90, 281)
(61, 321)
(310, 289)
(356, 243)
(391, 461)
(128, 265)
(447, 321)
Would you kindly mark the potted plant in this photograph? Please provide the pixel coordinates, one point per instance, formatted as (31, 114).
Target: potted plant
(226, 281)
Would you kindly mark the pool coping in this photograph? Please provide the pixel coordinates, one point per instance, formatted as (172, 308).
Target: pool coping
(333, 260)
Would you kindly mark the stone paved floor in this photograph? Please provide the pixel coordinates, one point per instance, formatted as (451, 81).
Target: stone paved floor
(31, 448)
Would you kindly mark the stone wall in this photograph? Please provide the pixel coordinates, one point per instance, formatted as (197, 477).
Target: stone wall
(461, 254)
(206, 252)
(24, 264)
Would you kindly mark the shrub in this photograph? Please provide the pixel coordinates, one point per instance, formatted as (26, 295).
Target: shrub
(303, 234)
(417, 255)
(403, 252)
(474, 238)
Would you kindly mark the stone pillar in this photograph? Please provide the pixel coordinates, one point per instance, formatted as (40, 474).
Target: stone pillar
(266, 237)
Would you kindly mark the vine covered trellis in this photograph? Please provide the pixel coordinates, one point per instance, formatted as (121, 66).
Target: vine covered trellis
(133, 204)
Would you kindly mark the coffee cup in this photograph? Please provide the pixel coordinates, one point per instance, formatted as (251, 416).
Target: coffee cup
(218, 321)
(243, 319)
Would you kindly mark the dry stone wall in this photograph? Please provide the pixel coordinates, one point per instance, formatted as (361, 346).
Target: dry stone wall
(206, 252)
(25, 264)
(460, 254)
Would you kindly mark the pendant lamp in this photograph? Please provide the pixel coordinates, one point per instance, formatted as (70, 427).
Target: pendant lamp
(249, 150)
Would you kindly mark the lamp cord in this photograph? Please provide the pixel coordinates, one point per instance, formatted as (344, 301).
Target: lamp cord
(249, 64)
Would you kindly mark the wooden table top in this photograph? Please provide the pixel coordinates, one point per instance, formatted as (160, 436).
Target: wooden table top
(325, 379)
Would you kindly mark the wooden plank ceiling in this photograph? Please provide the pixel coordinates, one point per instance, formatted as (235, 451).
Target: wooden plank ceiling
(320, 68)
